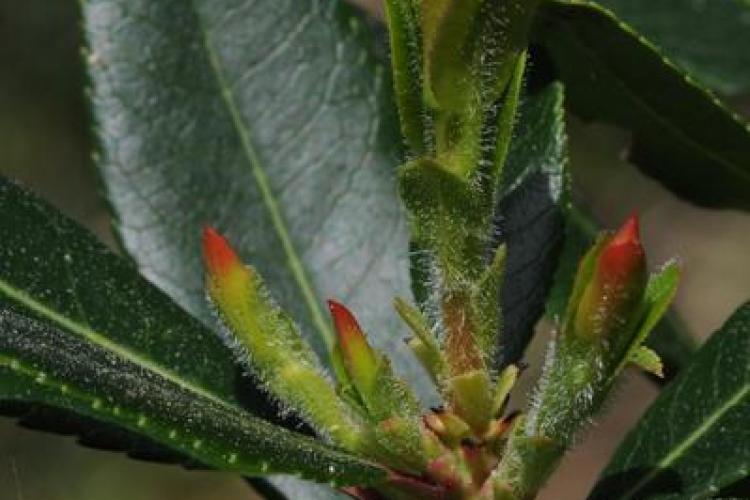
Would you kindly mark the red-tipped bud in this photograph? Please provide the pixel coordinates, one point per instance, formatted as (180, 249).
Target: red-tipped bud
(218, 256)
(360, 360)
(616, 286)
(622, 260)
(232, 286)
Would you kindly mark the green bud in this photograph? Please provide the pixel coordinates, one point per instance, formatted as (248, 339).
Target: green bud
(471, 48)
(448, 26)
(503, 386)
(389, 404)
(270, 343)
(613, 307)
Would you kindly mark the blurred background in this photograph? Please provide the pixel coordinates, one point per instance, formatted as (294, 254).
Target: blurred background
(45, 143)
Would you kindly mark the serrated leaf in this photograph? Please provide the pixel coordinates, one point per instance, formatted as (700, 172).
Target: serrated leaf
(269, 120)
(529, 216)
(60, 272)
(682, 135)
(694, 439)
(44, 362)
(81, 331)
(708, 38)
(669, 337)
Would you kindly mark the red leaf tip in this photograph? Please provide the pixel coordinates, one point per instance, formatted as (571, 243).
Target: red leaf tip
(629, 232)
(342, 317)
(218, 255)
(623, 256)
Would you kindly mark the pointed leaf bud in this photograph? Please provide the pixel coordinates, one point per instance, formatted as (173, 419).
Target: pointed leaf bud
(616, 286)
(613, 307)
(226, 273)
(360, 360)
(268, 342)
(387, 400)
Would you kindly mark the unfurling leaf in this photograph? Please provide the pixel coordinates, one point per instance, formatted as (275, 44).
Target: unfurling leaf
(268, 342)
(388, 402)
(610, 313)
(360, 360)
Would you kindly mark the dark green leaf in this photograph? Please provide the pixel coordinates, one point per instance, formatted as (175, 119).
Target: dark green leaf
(682, 135)
(580, 232)
(694, 439)
(81, 331)
(669, 338)
(529, 217)
(51, 363)
(60, 273)
(270, 120)
(709, 38)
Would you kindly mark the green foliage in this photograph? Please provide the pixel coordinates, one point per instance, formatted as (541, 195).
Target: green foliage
(56, 271)
(275, 126)
(274, 122)
(532, 202)
(582, 370)
(718, 56)
(56, 368)
(82, 331)
(682, 135)
(669, 337)
(693, 441)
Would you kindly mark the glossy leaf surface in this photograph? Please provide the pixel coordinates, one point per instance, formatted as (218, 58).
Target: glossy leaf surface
(694, 440)
(268, 120)
(81, 331)
(708, 38)
(529, 217)
(682, 135)
(41, 363)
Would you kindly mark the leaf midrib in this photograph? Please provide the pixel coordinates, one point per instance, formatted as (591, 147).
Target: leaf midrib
(22, 298)
(261, 178)
(689, 440)
(645, 105)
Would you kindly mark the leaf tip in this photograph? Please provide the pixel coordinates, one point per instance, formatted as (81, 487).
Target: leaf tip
(218, 255)
(346, 324)
(359, 358)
